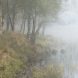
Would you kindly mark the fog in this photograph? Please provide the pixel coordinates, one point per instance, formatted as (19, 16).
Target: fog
(66, 27)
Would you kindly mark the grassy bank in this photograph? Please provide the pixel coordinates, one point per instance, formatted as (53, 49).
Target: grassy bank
(20, 59)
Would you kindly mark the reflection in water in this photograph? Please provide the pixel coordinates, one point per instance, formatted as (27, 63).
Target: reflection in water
(70, 17)
(67, 30)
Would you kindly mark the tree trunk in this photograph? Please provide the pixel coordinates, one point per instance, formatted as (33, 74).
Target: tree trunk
(29, 27)
(23, 22)
(41, 25)
(38, 29)
(2, 21)
(33, 35)
(7, 20)
(13, 22)
(13, 15)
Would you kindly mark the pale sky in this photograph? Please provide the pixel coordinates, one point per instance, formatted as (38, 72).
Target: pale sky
(68, 30)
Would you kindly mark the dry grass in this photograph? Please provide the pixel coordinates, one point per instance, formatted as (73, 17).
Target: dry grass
(16, 53)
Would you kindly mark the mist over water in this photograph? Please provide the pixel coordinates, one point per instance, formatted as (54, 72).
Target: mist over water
(66, 29)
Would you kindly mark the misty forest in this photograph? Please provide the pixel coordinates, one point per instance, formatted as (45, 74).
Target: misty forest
(38, 39)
